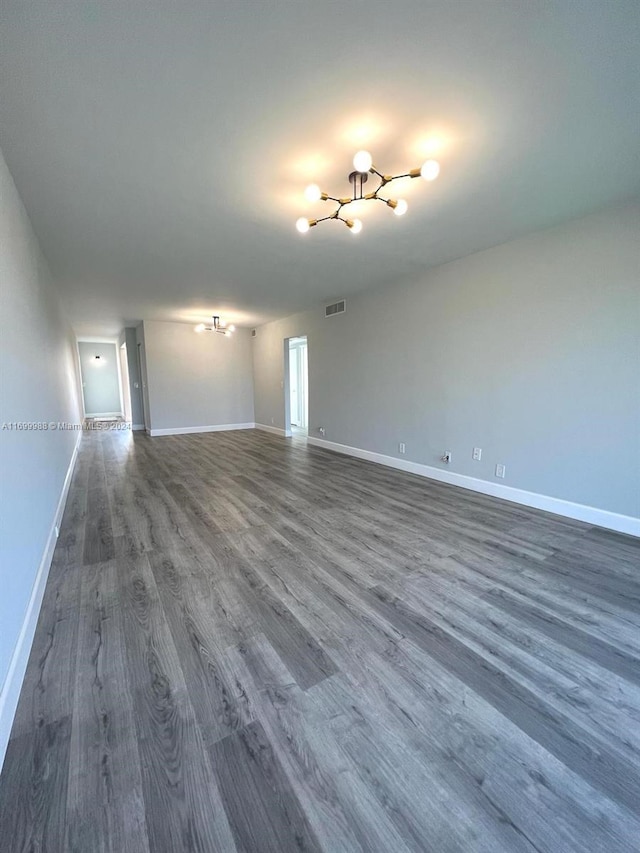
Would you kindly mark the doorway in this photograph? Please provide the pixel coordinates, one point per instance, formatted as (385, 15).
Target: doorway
(143, 389)
(298, 375)
(126, 388)
(100, 372)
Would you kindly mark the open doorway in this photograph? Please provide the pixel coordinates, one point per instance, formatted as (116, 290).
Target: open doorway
(101, 383)
(298, 375)
(124, 381)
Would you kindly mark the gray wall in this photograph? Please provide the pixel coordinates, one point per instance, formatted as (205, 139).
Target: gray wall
(39, 382)
(197, 380)
(529, 350)
(100, 385)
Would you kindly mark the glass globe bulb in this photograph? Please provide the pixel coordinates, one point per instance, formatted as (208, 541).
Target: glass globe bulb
(200, 327)
(302, 225)
(362, 161)
(356, 228)
(231, 328)
(401, 207)
(430, 170)
(313, 192)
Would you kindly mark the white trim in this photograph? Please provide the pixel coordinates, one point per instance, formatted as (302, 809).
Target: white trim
(275, 430)
(104, 415)
(580, 512)
(212, 428)
(137, 426)
(20, 657)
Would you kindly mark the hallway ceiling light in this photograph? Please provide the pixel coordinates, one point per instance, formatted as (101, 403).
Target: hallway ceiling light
(363, 165)
(220, 326)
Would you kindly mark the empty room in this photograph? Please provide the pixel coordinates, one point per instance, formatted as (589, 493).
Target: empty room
(320, 426)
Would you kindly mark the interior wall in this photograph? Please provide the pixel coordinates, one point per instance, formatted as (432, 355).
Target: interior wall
(39, 385)
(529, 350)
(197, 380)
(100, 383)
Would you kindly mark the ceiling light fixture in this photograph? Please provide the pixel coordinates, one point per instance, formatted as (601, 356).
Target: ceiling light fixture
(220, 326)
(363, 166)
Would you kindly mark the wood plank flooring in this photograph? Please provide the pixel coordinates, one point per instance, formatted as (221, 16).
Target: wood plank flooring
(251, 644)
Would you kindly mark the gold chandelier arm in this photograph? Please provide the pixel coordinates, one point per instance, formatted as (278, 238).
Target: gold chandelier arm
(389, 178)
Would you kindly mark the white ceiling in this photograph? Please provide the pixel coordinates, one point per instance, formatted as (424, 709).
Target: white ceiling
(161, 146)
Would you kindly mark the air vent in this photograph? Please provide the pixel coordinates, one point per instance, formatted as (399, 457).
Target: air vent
(254, 332)
(336, 308)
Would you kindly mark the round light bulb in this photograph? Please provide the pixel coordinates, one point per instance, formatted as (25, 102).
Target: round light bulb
(362, 161)
(231, 328)
(430, 170)
(200, 327)
(302, 225)
(356, 228)
(313, 192)
(401, 207)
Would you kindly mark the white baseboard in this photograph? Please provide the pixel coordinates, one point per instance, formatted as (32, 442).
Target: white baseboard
(20, 657)
(580, 512)
(275, 430)
(187, 430)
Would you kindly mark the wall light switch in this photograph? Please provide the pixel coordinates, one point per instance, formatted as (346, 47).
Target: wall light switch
(500, 470)
(477, 453)
(401, 447)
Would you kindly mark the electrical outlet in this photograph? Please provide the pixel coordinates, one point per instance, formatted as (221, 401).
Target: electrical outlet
(501, 470)
(477, 453)
(273, 420)
(446, 457)
(402, 447)
(321, 431)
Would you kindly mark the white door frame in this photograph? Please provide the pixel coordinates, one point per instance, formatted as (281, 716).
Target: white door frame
(303, 381)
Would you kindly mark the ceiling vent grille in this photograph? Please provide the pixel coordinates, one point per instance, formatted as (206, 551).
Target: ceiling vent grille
(254, 332)
(336, 308)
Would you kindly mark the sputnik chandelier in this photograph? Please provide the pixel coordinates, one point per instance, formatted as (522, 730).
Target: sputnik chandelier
(363, 167)
(219, 326)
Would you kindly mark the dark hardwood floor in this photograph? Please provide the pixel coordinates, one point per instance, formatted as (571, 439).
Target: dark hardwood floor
(251, 644)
